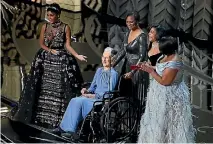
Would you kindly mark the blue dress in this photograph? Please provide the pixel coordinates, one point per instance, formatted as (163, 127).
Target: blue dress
(167, 117)
(79, 107)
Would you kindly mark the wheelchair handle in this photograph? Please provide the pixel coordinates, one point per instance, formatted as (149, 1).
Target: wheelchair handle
(119, 83)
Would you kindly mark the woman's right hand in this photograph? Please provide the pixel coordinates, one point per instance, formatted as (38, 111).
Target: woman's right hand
(82, 58)
(83, 91)
(147, 68)
(55, 52)
(128, 75)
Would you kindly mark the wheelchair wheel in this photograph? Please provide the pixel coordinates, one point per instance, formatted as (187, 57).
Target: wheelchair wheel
(119, 119)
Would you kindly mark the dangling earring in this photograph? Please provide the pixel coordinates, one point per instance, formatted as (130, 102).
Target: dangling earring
(58, 17)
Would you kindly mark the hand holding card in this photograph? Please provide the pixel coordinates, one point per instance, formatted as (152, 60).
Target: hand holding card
(147, 68)
(134, 67)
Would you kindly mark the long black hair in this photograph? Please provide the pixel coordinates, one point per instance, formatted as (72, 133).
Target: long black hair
(160, 32)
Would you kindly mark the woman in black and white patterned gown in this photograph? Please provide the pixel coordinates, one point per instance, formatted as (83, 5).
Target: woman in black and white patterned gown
(54, 77)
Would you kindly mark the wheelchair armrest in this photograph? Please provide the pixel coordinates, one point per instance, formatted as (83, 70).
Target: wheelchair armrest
(110, 93)
(95, 103)
(107, 97)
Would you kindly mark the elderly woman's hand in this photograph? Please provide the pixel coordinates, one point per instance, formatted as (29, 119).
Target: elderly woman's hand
(89, 95)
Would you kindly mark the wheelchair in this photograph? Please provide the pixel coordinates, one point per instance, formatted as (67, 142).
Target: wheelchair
(112, 119)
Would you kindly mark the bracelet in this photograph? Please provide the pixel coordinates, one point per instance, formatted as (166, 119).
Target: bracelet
(132, 72)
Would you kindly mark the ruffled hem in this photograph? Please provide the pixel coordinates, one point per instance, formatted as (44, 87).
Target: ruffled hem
(167, 117)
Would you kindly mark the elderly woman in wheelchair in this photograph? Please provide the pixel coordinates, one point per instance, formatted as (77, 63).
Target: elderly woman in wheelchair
(105, 79)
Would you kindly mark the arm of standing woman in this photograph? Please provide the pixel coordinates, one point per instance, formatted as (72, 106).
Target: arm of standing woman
(166, 79)
(143, 47)
(69, 48)
(121, 54)
(142, 52)
(117, 58)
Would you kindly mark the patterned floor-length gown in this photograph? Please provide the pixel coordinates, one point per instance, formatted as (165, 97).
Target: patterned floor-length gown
(167, 117)
(53, 80)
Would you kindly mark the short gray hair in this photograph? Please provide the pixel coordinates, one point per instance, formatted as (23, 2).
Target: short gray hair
(108, 49)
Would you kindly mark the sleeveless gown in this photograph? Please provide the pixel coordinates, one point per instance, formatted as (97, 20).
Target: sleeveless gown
(53, 80)
(167, 117)
(153, 59)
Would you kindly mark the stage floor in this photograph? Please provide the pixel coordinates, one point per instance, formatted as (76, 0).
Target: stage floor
(17, 132)
(20, 133)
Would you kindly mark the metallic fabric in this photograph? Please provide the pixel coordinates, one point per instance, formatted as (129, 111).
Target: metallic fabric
(131, 54)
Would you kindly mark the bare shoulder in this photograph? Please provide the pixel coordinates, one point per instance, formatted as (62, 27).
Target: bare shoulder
(44, 25)
(67, 27)
(139, 31)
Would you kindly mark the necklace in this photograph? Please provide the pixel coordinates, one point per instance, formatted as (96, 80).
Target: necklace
(154, 44)
(56, 24)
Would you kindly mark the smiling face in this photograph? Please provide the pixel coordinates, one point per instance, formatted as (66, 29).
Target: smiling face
(106, 59)
(52, 17)
(152, 35)
(130, 22)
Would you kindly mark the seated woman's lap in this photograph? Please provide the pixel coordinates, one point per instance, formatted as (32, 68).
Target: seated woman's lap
(85, 103)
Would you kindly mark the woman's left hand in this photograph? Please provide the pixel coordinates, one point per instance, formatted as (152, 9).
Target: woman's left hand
(82, 58)
(128, 75)
(147, 68)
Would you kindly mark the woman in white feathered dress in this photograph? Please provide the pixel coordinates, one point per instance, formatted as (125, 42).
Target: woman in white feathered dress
(167, 117)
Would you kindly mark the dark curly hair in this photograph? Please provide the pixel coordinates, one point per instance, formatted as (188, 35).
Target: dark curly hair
(54, 8)
(160, 32)
(168, 45)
